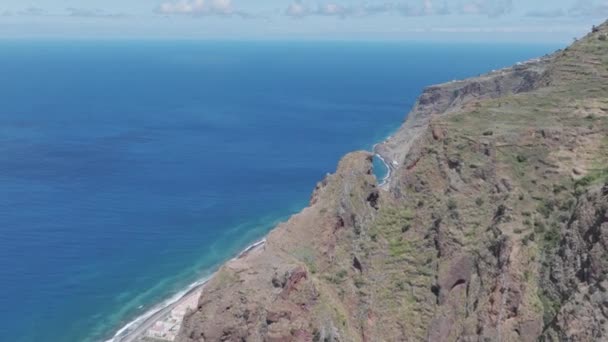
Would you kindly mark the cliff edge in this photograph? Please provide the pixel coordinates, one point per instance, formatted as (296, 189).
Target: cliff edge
(492, 227)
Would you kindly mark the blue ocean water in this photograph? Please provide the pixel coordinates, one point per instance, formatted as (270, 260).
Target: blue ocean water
(130, 169)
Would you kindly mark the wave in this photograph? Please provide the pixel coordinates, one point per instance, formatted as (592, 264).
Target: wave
(387, 177)
(132, 326)
(250, 248)
(389, 169)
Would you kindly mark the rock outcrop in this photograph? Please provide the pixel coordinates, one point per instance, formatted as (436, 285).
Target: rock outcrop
(575, 282)
(492, 227)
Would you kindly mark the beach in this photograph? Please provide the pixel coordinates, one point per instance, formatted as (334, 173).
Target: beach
(162, 323)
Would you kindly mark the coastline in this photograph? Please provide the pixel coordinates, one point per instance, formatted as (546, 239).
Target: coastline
(138, 327)
(388, 171)
(383, 184)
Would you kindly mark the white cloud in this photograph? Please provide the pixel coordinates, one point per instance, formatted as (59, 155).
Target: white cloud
(332, 9)
(92, 13)
(297, 9)
(199, 7)
(301, 9)
(491, 8)
(428, 7)
(33, 11)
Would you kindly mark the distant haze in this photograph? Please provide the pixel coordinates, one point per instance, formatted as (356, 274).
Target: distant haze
(439, 20)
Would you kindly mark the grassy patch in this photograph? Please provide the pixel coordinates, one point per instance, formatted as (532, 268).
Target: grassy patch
(594, 177)
(550, 307)
(393, 219)
(307, 256)
(399, 247)
(338, 277)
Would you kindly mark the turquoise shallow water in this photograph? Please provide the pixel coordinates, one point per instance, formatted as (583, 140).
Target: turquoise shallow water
(381, 170)
(131, 169)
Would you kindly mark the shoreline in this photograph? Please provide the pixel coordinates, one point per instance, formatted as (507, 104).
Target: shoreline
(388, 171)
(389, 166)
(137, 327)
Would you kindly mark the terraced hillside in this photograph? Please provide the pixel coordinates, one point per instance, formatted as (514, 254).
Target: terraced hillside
(493, 226)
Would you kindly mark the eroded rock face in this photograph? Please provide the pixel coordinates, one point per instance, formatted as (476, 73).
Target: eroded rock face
(273, 294)
(576, 279)
(483, 233)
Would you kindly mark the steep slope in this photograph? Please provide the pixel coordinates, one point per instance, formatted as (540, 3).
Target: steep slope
(493, 226)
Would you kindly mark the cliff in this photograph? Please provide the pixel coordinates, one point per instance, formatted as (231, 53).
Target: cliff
(493, 226)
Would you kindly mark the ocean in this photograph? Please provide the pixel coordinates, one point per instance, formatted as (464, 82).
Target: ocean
(130, 169)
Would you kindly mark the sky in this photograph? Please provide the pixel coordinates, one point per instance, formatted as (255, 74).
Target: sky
(428, 20)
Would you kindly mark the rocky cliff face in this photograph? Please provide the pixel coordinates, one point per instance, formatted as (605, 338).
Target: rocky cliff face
(493, 226)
